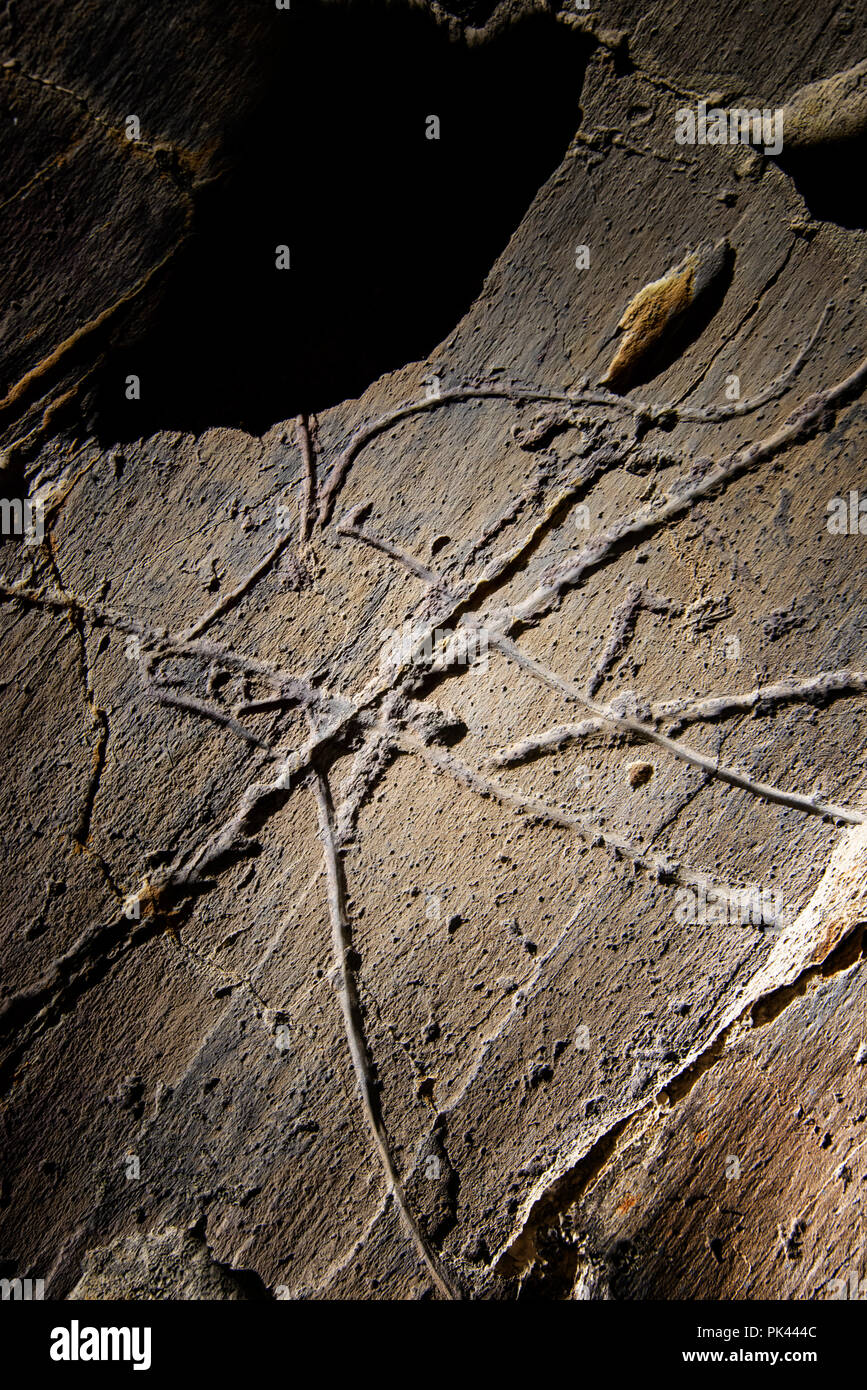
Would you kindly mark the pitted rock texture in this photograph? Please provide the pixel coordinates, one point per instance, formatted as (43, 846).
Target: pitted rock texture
(385, 786)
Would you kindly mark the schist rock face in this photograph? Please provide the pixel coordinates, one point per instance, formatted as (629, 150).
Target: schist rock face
(434, 668)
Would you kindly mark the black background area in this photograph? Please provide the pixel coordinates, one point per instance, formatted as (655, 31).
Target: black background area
(391, 234)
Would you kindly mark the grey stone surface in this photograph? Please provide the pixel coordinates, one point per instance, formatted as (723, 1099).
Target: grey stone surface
(378, 1009)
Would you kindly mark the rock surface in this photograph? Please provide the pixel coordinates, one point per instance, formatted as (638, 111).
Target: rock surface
(434, 828)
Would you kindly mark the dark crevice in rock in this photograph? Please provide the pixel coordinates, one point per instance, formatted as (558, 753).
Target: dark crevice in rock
(390, 234)
(830, 179)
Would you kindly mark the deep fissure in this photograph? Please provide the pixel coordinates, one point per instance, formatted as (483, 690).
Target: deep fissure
(380, 268)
